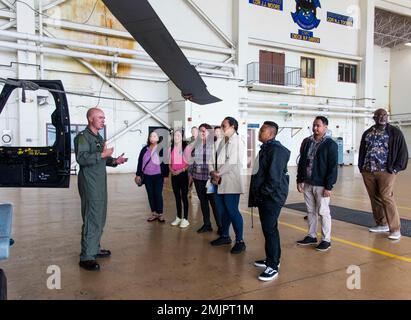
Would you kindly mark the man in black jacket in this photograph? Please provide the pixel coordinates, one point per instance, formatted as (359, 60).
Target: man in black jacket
(268, 192)
(383, 153)
(316, 176)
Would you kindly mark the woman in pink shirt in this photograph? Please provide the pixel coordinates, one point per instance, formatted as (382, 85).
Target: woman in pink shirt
(179, 155)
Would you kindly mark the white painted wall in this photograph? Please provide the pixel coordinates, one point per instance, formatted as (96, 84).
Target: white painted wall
(274, 25)
(400, 86)
(228, 92)
(184, 24)
(273, 28)
(400, 80)
(293, 143)
(326, 71)
(382, 62)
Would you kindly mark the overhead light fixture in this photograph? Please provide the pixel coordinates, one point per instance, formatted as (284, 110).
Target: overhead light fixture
(408, 44)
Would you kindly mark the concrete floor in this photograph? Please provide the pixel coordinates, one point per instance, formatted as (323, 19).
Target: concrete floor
(157, 261)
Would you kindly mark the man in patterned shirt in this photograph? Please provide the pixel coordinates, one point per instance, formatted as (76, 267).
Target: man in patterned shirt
(383, 153)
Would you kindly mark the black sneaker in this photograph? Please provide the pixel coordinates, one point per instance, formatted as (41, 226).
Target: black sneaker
(307, 241)
(260, 263)
(90, 265)
(103, 253)
(205, 228)
(238, 247)
(323, 246)
(268, 274)
(221, 241)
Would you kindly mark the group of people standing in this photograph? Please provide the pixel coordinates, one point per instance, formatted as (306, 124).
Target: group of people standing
(212, 162)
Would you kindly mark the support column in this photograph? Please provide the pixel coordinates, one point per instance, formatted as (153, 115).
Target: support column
(242, 131)
(366, 47)
(28, 113)
(366, 87)
(240, 37)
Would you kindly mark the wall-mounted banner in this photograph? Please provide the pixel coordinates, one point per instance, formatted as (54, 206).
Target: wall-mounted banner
(340, 19)
(305, 36)
(272, 4)
(305, 14)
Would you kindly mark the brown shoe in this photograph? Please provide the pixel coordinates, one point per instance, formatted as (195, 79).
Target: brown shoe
(153, 217)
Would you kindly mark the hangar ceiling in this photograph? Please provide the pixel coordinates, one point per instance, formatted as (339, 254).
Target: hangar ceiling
(391, 29)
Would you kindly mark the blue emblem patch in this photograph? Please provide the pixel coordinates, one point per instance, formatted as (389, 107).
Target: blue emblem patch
(305, 14)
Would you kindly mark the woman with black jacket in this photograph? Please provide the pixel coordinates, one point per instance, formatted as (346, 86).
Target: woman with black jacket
(152, 172)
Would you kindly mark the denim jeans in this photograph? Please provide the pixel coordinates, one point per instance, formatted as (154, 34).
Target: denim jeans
(227, 207)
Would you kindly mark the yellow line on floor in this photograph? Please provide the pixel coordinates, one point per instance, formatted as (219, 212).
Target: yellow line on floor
(350, 243)
(362, 201)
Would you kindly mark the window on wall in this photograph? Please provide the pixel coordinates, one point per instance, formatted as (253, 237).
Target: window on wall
(74, 130)
(307, 68)
(347, 72)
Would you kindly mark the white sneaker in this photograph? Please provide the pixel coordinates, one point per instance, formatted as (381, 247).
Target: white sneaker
(184, 223)
(176, 222)
(395, 235)
(379, 229)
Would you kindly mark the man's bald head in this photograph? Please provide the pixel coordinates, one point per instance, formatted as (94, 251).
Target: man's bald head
(380, 117)
(92, 112)
(380, 111)
(95, 118)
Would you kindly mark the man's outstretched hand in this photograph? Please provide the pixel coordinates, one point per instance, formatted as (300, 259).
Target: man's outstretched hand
(121, 159)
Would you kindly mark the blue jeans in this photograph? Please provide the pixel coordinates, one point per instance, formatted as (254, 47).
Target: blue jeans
(227, 207)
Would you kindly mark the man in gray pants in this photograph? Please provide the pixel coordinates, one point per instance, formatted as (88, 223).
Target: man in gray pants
(316, 176)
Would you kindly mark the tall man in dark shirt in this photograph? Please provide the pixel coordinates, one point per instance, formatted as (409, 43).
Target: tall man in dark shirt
(316, 176)
(383, 153)
(268, 192)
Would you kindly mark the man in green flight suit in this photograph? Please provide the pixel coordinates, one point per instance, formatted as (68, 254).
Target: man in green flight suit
(93, 156)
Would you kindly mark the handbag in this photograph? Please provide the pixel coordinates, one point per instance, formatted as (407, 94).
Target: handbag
(142, 175)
